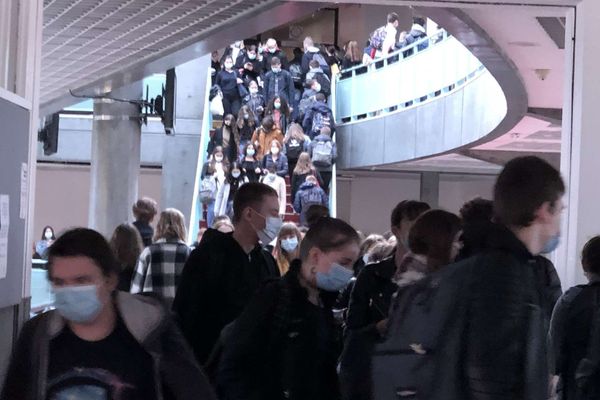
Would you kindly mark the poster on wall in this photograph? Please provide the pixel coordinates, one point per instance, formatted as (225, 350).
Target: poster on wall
(4, 225)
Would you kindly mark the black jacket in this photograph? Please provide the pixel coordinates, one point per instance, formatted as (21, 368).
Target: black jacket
(569, 335)
(285, 86)
(321, 108)
(299, 179)
(267, 57)
(504, 346)
(217, 282)
(281, 347)
(217, 140)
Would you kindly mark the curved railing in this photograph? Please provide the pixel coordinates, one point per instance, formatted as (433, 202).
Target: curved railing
(429, 98)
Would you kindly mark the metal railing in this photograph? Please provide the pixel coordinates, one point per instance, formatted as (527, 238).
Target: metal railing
(431, 67)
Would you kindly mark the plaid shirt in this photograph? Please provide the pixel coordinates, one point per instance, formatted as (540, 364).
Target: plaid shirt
(159, 268)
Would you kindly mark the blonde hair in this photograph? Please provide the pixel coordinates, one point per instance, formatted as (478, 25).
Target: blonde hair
(294, 131)
(304, 165)
(171, 225)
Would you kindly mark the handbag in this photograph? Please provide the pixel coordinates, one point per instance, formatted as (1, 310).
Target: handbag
(216, 105)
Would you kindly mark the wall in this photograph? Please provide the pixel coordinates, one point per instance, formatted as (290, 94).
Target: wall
(357, 22)
(366, 201)
(62, 195)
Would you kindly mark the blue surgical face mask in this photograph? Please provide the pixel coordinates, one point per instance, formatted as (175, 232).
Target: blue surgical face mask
(289, 244)
(78, 304)
(251, 152)
(335, 280)
(551, 244)
(276, 70)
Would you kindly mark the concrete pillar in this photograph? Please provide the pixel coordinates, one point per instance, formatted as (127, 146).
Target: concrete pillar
(181, 150)
(430, 188)
(116, 138)
(581, 141)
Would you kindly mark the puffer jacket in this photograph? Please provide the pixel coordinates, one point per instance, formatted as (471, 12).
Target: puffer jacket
(308, 195)
(148, 322)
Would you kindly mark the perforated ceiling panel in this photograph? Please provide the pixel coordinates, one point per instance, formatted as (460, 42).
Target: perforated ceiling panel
(87, 39)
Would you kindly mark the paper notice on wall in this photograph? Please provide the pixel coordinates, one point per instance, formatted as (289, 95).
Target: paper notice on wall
(24, 206)
(4, 225)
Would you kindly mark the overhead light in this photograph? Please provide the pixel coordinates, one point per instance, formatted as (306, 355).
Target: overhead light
(542, 73)
(524, 44)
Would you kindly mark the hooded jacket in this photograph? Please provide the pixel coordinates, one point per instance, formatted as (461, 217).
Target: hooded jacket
(149, 323)
(218, 280)
(307, 58)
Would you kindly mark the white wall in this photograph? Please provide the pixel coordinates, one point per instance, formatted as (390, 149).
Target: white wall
(62, 195)
(366, 202)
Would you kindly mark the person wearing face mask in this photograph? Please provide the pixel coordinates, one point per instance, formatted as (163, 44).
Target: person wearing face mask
(250, 165)
(278, 184)
(224, 201)
(227, 137)
(278, 82)
(279, 109)
(245, 127)
(284, 343)
(41, 247)
(272, 51)
(248, 64)
(264, 136)
(287, 248)
(316, 73)
(433, 243)
(275, 160)
(224, 271)
(228, 80)
(97, 342)
(309, 193)
(255, 101)
(215, 169)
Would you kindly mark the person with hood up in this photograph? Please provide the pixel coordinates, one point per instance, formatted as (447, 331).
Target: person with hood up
(309, 193)
(283, 346)
(417, 32)
(316, 73)
(318, 116)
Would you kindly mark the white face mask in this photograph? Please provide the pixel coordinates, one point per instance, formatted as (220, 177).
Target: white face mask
(236, 174)
(253, 91)
(251, 56)
(317, 87)
(219, 158)
(271, 229)
(228, 65)
(274, 150)
(273, 50)
(48, 235)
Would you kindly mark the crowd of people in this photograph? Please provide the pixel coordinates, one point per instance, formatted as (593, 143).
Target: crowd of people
(441, 306)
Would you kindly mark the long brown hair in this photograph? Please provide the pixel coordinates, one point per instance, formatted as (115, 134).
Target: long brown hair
(283, 257)
(126, 244)
(353, 52)
(432, 236)
(213, 162)
(251, 118)
(294, 131)
(304, 165)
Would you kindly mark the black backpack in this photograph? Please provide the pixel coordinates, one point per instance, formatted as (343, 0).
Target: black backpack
(296, 72)
(587, 374)
(293, 148)
(420, 352)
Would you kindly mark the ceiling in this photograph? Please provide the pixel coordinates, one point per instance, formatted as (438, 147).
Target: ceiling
(92, 46)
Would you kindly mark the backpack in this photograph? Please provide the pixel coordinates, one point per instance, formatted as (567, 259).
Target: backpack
(310, 197)
(305, 104)
(419, 355)
(322, 154)
(322, 62)
(588, 368)
(296, 72)
(294, 148)
(320, 121)
(325, 83)
(378, 37)
(208, 190)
